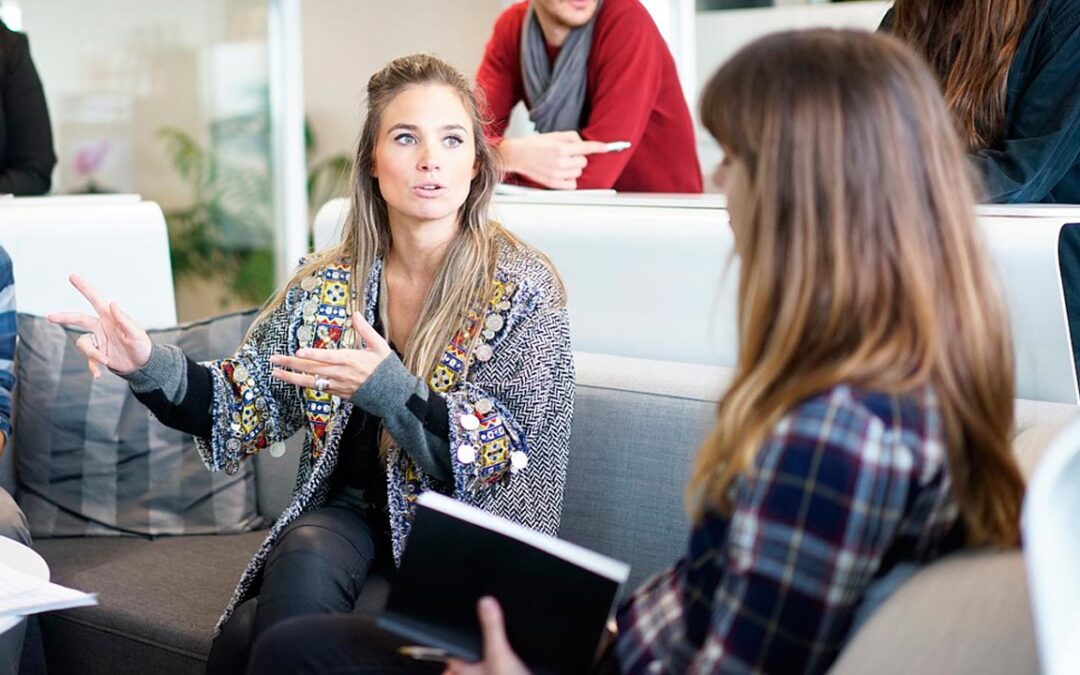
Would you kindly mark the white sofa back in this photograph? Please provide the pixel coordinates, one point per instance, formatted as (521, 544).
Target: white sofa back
(116, 242)
(646, 276)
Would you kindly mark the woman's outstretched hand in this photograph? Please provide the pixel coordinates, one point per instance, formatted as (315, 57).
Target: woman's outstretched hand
(499, 656)
(112, 339)
(341, 371)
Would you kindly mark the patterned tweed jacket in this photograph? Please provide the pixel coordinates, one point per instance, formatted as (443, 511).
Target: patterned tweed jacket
(510, 402)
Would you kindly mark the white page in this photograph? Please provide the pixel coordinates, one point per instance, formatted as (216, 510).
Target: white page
(510, 189)
(22, 594)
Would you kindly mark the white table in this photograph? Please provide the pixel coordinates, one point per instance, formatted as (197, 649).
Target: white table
(25, 560)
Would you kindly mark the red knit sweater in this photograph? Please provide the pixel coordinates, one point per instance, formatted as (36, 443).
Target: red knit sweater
(632, 94)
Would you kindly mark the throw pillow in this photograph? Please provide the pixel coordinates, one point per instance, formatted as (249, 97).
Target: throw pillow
(92, 460)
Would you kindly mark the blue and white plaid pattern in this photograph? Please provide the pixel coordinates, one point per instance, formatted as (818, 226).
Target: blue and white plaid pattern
(847, 484)
(7, 340)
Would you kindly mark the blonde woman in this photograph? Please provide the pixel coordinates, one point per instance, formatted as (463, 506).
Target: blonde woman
(429, 350)
(868, 423)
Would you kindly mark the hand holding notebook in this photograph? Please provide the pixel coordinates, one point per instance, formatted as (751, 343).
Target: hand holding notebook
(556, 596)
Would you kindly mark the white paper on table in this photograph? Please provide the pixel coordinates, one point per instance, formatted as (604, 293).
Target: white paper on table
(509, 189)
(22, 594)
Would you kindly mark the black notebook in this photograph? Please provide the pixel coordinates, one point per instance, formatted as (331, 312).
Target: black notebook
(556, 596)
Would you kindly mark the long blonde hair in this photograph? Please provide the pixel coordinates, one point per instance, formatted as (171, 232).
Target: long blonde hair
(860, 261)
(970, 45)
(464, 281)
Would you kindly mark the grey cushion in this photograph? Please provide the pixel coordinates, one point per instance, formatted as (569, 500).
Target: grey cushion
(92, 460)
(158, 601)
(637, 426)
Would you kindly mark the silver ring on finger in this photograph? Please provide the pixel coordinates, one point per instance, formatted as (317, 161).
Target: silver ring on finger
(93, 340)
(321, 383)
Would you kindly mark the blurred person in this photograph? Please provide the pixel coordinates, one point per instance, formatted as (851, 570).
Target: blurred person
(591, 72)
(1010, 70)
(26, 144)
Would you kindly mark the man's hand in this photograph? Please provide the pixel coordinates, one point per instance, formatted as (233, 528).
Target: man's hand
(554, 159)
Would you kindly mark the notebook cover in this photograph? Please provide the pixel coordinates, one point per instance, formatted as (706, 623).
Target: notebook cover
(555, 609)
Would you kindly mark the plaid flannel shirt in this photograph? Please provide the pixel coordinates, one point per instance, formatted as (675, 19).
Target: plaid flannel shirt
(848, 484)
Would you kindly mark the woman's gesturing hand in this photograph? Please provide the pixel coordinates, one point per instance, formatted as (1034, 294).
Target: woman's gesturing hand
(112, 339)
(341, 371)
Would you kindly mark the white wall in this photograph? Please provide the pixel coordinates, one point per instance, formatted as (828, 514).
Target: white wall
(346, 41)
(722, 33)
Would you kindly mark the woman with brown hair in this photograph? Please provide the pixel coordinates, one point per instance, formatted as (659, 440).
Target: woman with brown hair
(1010, 72)
(869, 420)
(428, 350)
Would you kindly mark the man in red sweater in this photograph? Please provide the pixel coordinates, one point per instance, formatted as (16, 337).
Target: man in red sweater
(591, 73)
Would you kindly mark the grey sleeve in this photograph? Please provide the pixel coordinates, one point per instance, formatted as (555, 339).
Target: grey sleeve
(166, 370)
(401, 399)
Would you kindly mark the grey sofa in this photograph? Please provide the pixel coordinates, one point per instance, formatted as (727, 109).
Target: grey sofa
(636, 427)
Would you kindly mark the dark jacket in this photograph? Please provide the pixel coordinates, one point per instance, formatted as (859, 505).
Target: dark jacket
(1037, 159)
(26, 145)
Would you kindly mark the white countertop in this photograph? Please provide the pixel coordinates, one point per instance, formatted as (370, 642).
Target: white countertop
(715, 200)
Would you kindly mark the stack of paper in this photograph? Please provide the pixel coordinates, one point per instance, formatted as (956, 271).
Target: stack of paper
(22, 594)
(510, 189)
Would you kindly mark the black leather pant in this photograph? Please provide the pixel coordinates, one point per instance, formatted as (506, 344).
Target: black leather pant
(334, 645)
(318, 566)
(348, 644)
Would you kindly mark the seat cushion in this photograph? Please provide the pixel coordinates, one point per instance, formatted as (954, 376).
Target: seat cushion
(968, 613)
(158, 600)
(1038, 423)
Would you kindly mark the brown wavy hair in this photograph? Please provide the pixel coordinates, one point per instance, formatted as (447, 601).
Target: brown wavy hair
(970, 44)
(860, 261)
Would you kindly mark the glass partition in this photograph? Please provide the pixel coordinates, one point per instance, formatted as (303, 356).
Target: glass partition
(172, 101)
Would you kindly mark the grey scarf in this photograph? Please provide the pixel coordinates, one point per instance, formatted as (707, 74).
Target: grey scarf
(556, 94)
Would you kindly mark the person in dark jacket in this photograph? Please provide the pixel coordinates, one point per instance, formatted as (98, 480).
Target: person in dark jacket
(1012, 82)
(26, 144)
(1010, 71)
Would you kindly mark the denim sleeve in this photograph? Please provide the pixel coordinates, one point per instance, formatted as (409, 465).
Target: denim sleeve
(1042, 137)
(7, 340)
